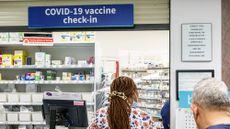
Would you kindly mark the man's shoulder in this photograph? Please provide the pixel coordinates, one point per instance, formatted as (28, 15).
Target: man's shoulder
(220, 126)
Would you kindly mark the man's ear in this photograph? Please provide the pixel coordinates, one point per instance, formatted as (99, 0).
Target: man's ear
(194, 108)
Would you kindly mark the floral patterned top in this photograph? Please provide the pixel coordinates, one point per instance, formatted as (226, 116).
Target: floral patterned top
(138, 120)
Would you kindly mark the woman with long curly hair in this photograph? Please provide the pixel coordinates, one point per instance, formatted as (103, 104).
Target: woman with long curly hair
(120, 114)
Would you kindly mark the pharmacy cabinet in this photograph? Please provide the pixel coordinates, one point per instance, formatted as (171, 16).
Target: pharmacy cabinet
(27, 71)
(153, 87)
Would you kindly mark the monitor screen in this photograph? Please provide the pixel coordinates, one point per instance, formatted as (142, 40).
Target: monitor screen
(69, 113)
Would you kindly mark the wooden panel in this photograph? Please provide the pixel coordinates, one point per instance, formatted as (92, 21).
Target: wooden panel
(226, 41)
(14, 12)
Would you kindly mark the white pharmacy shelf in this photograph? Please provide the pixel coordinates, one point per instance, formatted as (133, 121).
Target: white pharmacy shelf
(55, 44)
(48, 67)
(150, 98)
(33, 104)
(22, 123)
(89, 103)
(150, 107)
(144, 69)
(156, 79)
(158, 68)
(152, 89)
(134, 70)
(45, 82)
(20, 103)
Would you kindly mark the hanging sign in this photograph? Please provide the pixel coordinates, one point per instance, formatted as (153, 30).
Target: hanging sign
(115, 15)
(196, 42)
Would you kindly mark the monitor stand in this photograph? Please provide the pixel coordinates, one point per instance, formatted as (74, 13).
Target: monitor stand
(52, 119)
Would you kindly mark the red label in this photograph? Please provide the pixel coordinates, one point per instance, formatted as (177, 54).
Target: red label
(37, 40)
(78, 103)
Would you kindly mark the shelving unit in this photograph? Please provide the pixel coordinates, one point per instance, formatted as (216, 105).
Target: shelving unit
(55, 67)
(79, 51)
(153, 87)
(50, 82)
(20, 104)
(22, 123)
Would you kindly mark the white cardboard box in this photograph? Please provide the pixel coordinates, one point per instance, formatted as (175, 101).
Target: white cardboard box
(13, 97)
(25, 116)
(3, 97)
(37, 117)
(37, 97)
(2, 117)
(12, 116)
(40, 58)
(25, 97)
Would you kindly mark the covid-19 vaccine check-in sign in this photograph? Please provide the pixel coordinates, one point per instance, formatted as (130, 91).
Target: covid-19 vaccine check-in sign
(83, 16)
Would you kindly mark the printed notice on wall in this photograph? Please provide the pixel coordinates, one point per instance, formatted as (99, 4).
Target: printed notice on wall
(196, 42)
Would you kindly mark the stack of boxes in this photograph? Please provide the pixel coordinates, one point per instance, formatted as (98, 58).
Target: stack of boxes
(66, 76)
(51, 75)
(42, 59)
(22, 115)
(19, 57)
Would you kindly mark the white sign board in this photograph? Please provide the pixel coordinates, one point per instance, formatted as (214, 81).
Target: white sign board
(185, 119)
(196, 42)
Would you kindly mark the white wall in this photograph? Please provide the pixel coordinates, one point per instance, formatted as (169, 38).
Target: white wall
(153, 45)
(193, 11)
(112, 42)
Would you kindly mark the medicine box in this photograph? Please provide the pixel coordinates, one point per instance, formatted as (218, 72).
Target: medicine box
(37, 117)
(24, 116)
(12, 116)
(2, 117)
(25, 98)
(13, 97)
(48, 59)
(0, 59)
(37, 97)
(7, 60)
(19, 60)
(82, 62)
(3, 97)
(40, 58)
(56, 62)
(20, 52)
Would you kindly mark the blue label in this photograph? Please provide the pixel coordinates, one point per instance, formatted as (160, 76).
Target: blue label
(186, 99)
(117, 15)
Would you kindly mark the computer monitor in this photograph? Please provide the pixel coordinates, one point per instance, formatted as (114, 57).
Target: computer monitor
(69, 113)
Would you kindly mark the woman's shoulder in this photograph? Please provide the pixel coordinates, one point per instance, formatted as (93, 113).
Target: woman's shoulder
(102, 112)
(141, 119)
(138, 111)
(140, 114)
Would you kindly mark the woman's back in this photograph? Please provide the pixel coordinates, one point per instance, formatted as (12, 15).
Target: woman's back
(138, 120)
